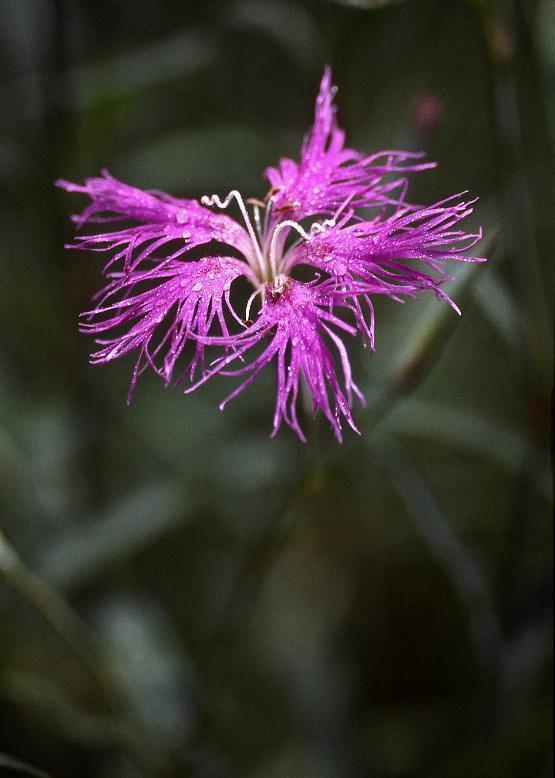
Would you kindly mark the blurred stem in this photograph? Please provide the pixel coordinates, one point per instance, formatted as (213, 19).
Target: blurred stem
(428, 342)
(524, 164)
(75, 633)
(508, 663)
(58, 614)
(16, 765)
(520, 137)
(260, 557)
(461, 564)
(465, 571)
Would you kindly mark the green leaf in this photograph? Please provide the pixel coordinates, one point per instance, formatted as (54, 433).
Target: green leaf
(466, 572)
(202, 159)
(96, 542)
(505, 447)
(431, 333)
(288, 23)
(429, 336)
(500, 308)
(136, 70)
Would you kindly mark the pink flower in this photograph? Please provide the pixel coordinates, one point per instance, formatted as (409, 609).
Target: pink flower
(339, 213)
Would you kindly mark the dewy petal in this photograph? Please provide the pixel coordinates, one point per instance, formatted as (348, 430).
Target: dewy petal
(182, 301)
(376, 252)
(163, 218)
(328, 174)
(299, 321)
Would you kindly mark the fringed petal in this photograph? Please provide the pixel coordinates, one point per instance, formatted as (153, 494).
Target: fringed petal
(164, 219)
(329, 174)
(375, 255)
(298, 321)
(182, 301)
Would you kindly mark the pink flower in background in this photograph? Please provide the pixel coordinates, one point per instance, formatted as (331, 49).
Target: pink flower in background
(334, 230)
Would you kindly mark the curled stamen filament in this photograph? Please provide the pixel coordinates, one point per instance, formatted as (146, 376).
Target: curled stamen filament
(251, 299)
(315, 228)
(234, 194)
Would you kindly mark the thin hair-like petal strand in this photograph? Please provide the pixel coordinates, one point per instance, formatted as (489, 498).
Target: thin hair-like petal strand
(182, 302)
(164, 219)
(299, 321)
(329, 173)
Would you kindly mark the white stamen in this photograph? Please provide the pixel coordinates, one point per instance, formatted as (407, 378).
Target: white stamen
(234, 194)
(315, 228)
(273, 243)
(267, 215)
(280, 283)
(321, 226)
(250, 301)
(263, 255)
(256, 210)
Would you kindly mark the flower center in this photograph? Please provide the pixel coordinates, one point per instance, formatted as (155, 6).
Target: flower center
(278, 286)
(267, 255)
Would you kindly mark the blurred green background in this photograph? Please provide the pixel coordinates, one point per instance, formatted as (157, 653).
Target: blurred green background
(181, 596)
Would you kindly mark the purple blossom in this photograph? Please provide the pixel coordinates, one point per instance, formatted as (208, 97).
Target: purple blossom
(340, 214)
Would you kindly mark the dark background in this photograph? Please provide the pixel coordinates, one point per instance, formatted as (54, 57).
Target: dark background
(179, 595)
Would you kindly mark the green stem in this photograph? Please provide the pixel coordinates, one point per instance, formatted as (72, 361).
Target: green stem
(57, 613)
(81, 641)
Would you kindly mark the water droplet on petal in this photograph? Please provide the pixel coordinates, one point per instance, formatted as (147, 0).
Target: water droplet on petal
(181, 216)
(340, 268)
(197, 287)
